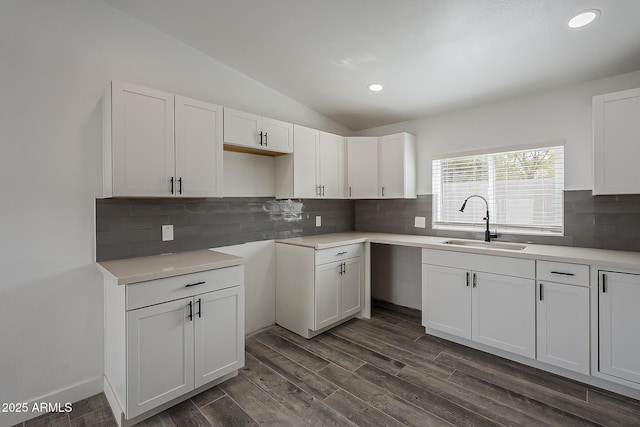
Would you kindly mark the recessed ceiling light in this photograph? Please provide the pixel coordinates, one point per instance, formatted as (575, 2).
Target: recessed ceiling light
(375, 87)
(584, 18)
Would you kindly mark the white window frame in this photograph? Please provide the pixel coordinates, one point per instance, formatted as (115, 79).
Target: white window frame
(475, 223)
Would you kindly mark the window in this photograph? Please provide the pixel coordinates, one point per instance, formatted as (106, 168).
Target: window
(523, 188)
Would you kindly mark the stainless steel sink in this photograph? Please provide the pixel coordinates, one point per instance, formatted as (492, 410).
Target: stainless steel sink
(489, 245)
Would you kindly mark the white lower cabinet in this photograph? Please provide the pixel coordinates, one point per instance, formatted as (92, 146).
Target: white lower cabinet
(461, 298)
(176, 335)
(562, 305)
(563, 325)
(619, 326)
(317, 289)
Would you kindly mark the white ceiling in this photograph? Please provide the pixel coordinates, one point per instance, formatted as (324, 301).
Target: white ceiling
(432, 56)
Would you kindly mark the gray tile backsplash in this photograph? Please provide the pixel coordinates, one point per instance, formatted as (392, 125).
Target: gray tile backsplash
(606, 222)
(131, 227)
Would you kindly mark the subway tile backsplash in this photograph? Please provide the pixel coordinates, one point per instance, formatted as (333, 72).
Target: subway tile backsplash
(128, 228)
(605, 222)
(132, 227)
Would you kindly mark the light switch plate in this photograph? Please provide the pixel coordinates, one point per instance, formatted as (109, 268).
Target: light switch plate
(318, 221)
(420, 222)
(167, 232)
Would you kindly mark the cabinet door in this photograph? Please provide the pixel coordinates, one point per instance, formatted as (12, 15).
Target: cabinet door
(159, 355)
(362, 167)
(563, 326)
(242, 128)
(619, 320)
(277, 135)
(392, 155)
(446, 300)
(142, 141)
(198, 148)
(351, 286)
(305, 160)
(616, 142)
(219, 334)
(327, 295)
(332, 165)
(503, 313)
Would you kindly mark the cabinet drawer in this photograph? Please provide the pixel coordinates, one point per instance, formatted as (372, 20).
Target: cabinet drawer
(562, 272)
(171, 288)
(324, 256)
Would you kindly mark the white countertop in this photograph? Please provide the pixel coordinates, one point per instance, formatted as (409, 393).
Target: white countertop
(133, 270)
(600, 257)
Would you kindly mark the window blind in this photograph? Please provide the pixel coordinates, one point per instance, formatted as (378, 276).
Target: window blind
(523, 187)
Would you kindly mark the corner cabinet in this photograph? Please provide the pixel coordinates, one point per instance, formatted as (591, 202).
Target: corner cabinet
(618, 295)
(170, 338)
(487, 299)
(158, 144)
(316, 169)
(382, 167)
(317, 289)
(616, 142)
(256, 134)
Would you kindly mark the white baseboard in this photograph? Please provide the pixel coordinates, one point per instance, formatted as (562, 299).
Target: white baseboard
(71, 394)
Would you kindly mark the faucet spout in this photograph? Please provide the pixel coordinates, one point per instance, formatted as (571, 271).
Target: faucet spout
(487, 233)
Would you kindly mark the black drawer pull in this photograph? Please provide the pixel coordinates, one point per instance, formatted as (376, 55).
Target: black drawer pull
(199, 307)
(195, 284)
(562, 273)
(191, 310)
(341, 253)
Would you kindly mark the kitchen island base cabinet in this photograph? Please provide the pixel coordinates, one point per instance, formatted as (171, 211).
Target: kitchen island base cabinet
(317, 289)
(158, 350)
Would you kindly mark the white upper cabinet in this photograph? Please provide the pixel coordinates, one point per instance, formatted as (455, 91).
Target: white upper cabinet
(397, 166)
(362, 167)
(382, 167)
(198, 148)
(139, 144)
(316, 167)
(254, 132)
(160, 145)
(331, 157)
(616, 143)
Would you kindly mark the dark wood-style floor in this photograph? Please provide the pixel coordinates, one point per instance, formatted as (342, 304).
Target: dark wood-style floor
(379, 372)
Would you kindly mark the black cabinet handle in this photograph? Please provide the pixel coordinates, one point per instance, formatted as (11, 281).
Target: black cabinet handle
(474, 280)
(171, 185)
(340, 272)
(541, 292)
(265, 139)
(323, 191)
(344, 268)
(383, 191)
(349, 191)
(260, 138)
(467, 279)
(200, 307)
(195, 284)
(604, 283)
(341, 253)
(180, 185)
(191, 310)
(562, 273)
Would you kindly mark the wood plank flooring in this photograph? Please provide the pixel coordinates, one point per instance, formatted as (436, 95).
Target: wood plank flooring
(379, 372)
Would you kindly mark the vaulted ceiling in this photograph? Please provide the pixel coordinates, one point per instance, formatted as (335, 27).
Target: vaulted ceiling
(432, 56)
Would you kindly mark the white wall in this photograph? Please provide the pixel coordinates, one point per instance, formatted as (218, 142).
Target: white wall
(560, 114)
(57, 57)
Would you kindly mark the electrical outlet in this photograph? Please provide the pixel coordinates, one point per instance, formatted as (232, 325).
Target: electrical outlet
(318, 221)
(420, 222)
(167, 232)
